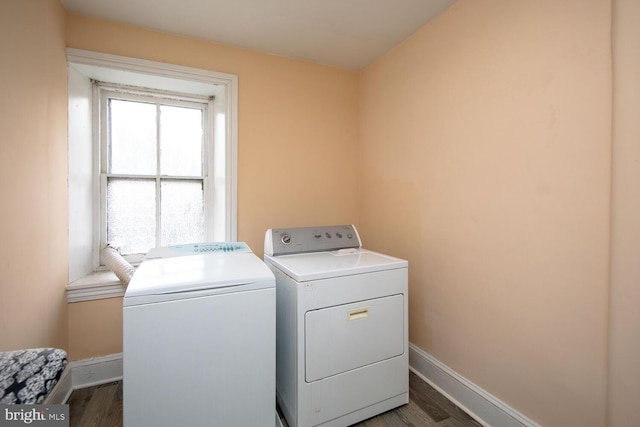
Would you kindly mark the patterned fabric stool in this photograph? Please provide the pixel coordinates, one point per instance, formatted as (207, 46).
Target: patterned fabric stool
(27, 376)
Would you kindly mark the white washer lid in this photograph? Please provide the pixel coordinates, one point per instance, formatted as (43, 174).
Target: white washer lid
(305, 267)
(198, 272)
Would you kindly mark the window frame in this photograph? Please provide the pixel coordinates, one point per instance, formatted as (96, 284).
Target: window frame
(84, 249)
(103, 93)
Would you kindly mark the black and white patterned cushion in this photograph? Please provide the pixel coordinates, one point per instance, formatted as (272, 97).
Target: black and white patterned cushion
(27, 376)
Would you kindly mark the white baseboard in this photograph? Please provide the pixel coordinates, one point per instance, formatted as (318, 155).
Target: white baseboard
(487, 409)
(86, 373)
(99, 370)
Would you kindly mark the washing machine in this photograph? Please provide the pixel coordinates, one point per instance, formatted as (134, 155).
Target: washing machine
(199, 339)
(341, 326)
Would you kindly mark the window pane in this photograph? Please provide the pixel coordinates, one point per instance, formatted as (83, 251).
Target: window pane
(131, 214)
(133, 138)
(180, 141)
(182, 212)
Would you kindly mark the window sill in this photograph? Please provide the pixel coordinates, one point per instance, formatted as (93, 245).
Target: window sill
(98, 285)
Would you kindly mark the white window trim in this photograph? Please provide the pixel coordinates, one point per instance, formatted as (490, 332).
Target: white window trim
(223, 118)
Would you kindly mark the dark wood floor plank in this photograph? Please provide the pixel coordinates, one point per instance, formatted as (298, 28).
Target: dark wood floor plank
(454, 422)
(100, 407)
(423, 394)
(417, 415)
(78, 402)
(436, 399)
(431, 408)
(113, 416)
(377, 421)
(400, 418)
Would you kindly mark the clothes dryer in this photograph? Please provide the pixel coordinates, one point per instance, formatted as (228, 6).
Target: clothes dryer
(342, 326)
(199, 339)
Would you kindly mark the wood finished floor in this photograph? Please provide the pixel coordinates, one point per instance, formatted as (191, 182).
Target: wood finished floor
(101, 406)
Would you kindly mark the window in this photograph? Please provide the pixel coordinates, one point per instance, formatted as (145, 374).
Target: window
(160, 166)
(154, 173)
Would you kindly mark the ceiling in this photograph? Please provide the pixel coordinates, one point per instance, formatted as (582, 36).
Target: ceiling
(349, 34)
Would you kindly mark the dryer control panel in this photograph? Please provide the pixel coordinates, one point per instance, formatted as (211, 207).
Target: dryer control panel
(283, 241)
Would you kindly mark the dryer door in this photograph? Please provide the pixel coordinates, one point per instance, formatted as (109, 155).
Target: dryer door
(345, 337)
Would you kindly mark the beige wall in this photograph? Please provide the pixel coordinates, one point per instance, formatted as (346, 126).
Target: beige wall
(33, 175)
(485, 153)
(95, 328)
(624, 362)
(298, 129)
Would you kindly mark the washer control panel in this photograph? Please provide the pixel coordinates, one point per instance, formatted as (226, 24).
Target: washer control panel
(282, 241)
(196, 248)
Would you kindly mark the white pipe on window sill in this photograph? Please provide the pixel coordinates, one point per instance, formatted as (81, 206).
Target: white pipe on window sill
(116, 263)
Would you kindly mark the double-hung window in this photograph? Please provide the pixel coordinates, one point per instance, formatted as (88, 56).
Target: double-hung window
(154, 174)
(152, 161)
